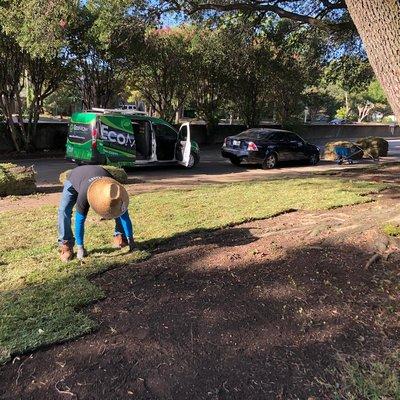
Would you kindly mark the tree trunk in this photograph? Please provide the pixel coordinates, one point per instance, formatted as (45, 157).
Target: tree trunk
(378, 23)
(346, 95)
(10, 123)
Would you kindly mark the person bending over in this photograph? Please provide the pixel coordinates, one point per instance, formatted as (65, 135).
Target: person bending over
(92, 186)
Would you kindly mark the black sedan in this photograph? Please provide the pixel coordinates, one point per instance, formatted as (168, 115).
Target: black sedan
(268, 147)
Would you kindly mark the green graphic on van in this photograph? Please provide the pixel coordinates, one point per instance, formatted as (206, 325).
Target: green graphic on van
(115, 136)
(118, 123)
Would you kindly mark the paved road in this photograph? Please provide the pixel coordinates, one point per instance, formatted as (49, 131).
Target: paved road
(212, 169)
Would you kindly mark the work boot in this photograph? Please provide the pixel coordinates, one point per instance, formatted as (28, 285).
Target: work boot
(66, 252)
(81, 253)
(132, 244)
(120, 241)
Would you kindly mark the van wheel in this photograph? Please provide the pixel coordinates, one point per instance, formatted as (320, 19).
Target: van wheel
(235, 160)
(194, 159)
(270, 161)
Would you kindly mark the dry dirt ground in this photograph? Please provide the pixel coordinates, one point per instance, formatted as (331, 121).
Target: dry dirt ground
(257, 311)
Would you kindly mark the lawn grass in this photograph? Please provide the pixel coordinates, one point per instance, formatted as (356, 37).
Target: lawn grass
(41, 298)
(369, 380)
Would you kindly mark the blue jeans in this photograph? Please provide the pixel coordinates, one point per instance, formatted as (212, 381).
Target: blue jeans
(68, 200)
(67, 203)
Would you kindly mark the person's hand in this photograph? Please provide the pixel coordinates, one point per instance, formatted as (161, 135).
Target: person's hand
(81, 253)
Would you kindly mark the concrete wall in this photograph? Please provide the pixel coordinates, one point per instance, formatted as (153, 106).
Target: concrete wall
(355, 131)
(49, 136)
(308, 132)
(52, 136)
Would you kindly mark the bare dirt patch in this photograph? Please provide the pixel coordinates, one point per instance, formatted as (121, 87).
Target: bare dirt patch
(258, 311)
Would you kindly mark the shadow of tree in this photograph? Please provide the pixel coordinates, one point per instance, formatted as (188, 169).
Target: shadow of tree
(203, 319)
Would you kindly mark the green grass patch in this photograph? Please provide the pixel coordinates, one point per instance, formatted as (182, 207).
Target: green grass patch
(370, 380)
(392, 230)
(41, 298)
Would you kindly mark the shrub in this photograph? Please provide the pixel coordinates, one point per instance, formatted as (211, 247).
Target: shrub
(375, 146)
(330, 154)
(16, 180)
(117, 173)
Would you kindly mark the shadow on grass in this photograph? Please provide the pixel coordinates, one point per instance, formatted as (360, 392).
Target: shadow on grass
(190, 325)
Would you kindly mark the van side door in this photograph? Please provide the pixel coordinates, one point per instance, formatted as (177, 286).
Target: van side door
(184, 145)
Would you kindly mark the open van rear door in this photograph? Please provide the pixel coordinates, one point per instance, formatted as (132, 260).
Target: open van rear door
(184, 145)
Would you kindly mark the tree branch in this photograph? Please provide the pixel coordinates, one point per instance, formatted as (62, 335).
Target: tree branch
(261, 7)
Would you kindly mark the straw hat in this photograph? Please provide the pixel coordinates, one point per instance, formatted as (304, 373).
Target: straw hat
(108, 198)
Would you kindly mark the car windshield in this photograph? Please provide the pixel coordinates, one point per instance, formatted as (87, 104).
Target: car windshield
(253, 134)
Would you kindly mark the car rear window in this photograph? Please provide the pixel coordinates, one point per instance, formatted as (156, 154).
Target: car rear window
(254, 134)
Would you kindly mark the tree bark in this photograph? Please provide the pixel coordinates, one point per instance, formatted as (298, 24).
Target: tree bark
(378, 23)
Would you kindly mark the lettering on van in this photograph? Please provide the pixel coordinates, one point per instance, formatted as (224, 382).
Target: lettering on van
(80, 128)
(121, 138)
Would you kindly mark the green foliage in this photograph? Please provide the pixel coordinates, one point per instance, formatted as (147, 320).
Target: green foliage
(351, 73)
(319, 100)
(211, 63)
(39, 27)
(376, 93)
(350, 79)
(63, 101)
(102, 33)
(41, 298)
(164, 71)
(341, 113)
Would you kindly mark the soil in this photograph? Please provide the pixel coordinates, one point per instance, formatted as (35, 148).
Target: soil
(258, 311)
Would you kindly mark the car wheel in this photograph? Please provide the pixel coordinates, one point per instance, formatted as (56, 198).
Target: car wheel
(314, 159)
(270, 161)
(235, 160)
(194, 159)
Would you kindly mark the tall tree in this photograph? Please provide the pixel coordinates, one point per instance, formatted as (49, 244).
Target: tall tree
(12, 61)
(105, 33)
(38, 26)
(210, 58)
(45, 75)
(378, 23)
(352, 74)
(163, 73)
